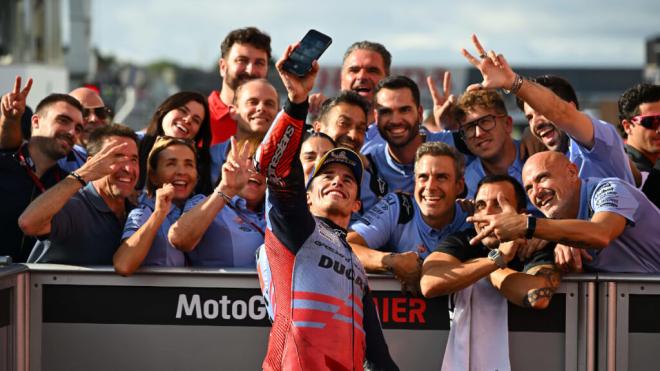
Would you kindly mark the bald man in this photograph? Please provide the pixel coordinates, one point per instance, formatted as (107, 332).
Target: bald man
(612, 220)
(95, 112)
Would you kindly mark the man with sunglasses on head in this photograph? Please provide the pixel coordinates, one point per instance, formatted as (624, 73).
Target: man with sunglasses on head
(639, 112)
(95, 115)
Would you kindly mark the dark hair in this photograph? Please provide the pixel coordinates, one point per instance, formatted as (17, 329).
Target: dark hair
(249, 35)
(442, 149)
(484, 98)
(346, 96)
(55, 98)
(160, 144)
(203, 138)
(521, 196)
(560, 86)
(374, 47)
(399, 82)
(96, 138)
(307, 135)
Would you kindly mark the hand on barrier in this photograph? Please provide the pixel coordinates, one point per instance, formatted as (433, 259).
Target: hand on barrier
(569, 258)
(407, 268)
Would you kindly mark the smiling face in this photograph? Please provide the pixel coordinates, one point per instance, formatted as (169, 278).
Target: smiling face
(645, 140)
(398, 116)
(184, 121)
(346, 124)
(56, 129)
(486, 203)
(546, 131)
(177, 164)
(243, 62)
(552, 184)
(487, 144)
(256, 105)
(436, 187)
(362, 71)
(121, 182)
(333, 192)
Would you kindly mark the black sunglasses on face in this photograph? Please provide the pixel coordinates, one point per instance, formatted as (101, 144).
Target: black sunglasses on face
(648, 121)
(101, 112)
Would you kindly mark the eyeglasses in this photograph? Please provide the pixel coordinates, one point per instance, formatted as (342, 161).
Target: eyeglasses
(101, 112)
(648, 121)
(485, 123)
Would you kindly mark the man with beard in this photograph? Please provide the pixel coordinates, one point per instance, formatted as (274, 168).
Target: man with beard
(344, 119)
(397, 231)
(610, 218)
(639, 112)
(480, 278)
(398, 114)
(28, 168)
(94, 195)
(95, 114)
(253, 109)
(593, 145)
(245, 54)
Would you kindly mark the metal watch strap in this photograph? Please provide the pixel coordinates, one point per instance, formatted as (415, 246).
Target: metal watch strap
(497, 257)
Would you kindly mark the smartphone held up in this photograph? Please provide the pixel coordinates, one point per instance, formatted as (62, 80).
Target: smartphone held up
(311, 48)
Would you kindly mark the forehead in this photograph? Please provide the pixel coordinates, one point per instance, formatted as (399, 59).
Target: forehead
(64, 108)
(489, 191)
(477, 112)
(129, 150)
(337, 168)
(435, 164)
(257, 89)
(364, 58)
(194, 106)
(395, 97)
(318, 144)
(350, 110)
(649, 108)
(89, 99)
(247, 50)
(178, 151)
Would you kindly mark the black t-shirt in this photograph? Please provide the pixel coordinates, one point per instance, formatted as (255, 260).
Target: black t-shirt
(458, 246)
(17, 190)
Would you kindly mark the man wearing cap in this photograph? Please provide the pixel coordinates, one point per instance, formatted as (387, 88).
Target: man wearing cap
(324, 316)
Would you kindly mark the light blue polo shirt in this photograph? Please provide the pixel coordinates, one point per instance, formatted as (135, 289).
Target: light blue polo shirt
(371, 138)
(385, 227)
(232, 238)
(637, 249)
(74, 160)
(161, 253)
(218, 157)
(607, 158)
(400, 177)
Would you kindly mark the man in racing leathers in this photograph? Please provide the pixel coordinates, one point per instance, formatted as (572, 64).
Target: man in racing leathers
(324, 315)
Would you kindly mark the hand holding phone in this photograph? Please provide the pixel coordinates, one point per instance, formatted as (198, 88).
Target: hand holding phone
(311, 48)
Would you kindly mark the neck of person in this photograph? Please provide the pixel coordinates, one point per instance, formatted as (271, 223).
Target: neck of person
(341, 220)
(241, 133)
(441, 221)
(226, 94)
(42, 161)
(406, 154)
(499, 164)
(116, 203)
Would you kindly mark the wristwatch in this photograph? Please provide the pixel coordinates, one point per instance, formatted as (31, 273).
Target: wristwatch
(497, 257)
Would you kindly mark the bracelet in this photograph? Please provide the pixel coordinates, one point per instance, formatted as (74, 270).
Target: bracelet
(224, 196)
(531, 227)
(517, 83)
(77, 177)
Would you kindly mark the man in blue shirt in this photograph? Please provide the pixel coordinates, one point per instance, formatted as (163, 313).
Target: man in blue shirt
(486, 129)
(610, 218)
(94, 195)
(594, 146)
(407, 228)
(399, 115)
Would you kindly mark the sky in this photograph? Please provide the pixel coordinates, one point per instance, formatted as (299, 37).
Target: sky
(530, 33)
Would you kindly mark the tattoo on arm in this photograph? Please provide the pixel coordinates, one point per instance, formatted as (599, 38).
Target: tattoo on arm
(552, 278)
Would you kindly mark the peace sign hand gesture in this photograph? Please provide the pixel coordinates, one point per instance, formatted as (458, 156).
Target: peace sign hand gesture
(236, 170)
(495, 70)
(442, 103)
(13, 103)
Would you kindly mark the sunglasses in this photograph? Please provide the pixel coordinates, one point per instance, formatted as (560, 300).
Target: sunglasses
(101, 112)
(648, 121)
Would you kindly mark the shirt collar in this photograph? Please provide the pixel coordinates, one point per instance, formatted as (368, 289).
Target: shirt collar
(458, 218)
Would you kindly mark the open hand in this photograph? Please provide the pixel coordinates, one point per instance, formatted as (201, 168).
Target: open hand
(494, 68)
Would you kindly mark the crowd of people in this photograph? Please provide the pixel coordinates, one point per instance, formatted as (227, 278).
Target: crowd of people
(453, 207)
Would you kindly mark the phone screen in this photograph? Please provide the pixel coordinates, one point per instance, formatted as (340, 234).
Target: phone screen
(311, 48)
